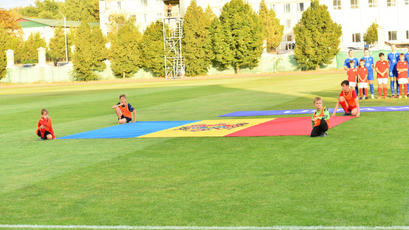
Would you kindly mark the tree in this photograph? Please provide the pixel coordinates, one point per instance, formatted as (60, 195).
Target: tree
(56, 48)
(4, 37)
(196, 43)
(272, 29)
(317, 37)
(28, 53)
(116, 21)
(152, 49)
(86, 59)
(8, 21)
(237, 37)
(98, 48)
(15, 42)
(43, 9)
(371, 35)
(125, 53)
(79, 10)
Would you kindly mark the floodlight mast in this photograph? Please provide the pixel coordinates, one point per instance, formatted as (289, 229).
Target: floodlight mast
(172, 43)
(65, 37)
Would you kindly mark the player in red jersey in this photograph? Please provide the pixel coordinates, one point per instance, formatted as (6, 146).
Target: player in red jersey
(381, 68)
(348, 100)
(402, 68)
(362, 79)
(352, 73)
(44, 127)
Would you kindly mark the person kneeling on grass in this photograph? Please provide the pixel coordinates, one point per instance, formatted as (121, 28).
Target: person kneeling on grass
(124, 110)
(320, 119)
(348, 100)
(44, 127)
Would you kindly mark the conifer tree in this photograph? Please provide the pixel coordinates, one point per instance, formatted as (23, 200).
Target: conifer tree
(28, 52)
(197, 49)
(317, 37)
(89, 52)
(152, 52)
(272, 29)
(371, 35)
(56, 48)
(125, 53)
(99, 50)
(4, 37)
(237, 37)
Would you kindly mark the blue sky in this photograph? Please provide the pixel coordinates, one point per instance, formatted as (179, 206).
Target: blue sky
(16, 3)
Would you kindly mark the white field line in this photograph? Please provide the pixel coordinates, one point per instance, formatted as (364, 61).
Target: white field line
(22, 226)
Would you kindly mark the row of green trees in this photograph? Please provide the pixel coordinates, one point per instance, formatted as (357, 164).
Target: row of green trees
(129, 52)
(75, 10)
(26, 51)
(233, 40)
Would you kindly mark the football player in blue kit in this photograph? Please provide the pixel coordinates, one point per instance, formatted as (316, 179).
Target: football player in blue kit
(369, 64)
(393, 59)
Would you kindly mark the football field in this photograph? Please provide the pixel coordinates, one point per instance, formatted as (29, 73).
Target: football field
(356, 176)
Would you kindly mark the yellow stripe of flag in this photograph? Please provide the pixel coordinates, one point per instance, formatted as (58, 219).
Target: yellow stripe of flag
(208, 128)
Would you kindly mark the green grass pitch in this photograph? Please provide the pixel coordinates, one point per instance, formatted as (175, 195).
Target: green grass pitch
(357, 176)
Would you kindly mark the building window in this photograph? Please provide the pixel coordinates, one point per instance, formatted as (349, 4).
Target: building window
(356, 37)
(300, 6)
(144, 3)
(372, 3)
(289, 43)
(407, 34)
(288, 24)
(337, 4)
(392, 35)
(391, 2)
(119, 3)
(287, 8)
(354, 4)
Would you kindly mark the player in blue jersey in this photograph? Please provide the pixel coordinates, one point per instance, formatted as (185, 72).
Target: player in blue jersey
(407, 60)
(347, 66)
(369, 64)
(393, 59)
(349, 58)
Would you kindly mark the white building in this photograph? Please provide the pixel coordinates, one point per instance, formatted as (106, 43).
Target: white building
(355, 16)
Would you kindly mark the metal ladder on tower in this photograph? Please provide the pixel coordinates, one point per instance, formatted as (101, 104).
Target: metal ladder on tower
(172, 44)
